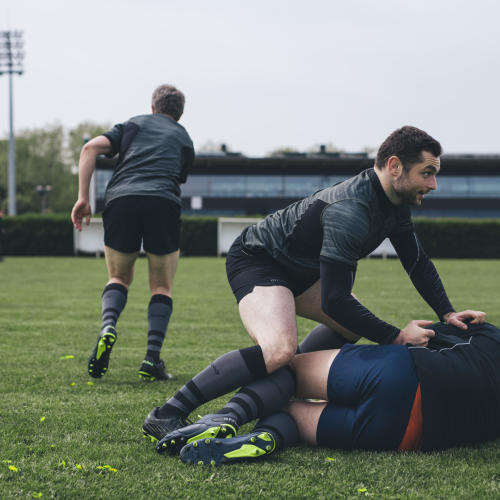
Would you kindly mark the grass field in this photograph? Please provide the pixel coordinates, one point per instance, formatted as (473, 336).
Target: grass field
(56, 429)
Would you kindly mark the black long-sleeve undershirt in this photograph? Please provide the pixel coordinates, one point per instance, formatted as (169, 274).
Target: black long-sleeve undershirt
(337, 280)
(337, 301)
(422, 272)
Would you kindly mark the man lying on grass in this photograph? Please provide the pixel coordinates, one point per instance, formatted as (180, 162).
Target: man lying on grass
(373, 397)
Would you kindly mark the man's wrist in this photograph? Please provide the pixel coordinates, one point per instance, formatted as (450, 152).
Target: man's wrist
(398, 339)
(446, 316)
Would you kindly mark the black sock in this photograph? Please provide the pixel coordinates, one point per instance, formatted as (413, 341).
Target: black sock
(114, 298)
(283, 428)
(321, 338)
(159, 312)
(262, 397)
(225, 374)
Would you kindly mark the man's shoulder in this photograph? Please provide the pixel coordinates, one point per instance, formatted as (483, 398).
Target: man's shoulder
(157, 121)
(355, 191)
(140, 119)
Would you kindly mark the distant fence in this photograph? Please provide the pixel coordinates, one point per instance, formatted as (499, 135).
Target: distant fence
(32, 234)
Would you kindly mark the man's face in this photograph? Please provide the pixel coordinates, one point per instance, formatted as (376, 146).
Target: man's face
(412, 186)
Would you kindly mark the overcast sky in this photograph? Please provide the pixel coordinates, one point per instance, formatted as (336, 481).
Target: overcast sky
(264, 74)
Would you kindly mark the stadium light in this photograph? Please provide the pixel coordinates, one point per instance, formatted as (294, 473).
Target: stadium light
(11, 62)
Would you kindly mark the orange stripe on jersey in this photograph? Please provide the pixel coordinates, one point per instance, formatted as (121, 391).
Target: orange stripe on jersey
(412, 439)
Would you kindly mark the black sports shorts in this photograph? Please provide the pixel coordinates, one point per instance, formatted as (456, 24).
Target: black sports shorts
(153, 220)
(247, 269)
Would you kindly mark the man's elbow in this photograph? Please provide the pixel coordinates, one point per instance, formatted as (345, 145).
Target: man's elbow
(99, 145)
(330, 305)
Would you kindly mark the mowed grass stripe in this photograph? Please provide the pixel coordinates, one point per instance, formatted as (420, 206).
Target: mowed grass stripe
(50, 308)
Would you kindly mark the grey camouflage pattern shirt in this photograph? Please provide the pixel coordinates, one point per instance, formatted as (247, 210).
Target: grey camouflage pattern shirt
(155, 154)
(343, 223)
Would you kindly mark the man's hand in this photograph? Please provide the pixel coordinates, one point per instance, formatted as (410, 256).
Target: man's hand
(456, 318)
(414, 333)
(80, 210)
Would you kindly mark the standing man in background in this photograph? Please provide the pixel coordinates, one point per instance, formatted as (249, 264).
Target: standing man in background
(142, 205)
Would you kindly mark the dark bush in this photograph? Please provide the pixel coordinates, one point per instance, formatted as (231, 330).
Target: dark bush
(199, 236)
(35, 234)
(52, 234)
(460, 238)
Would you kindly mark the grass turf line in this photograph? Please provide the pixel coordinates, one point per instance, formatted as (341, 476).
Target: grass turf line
(50, 308)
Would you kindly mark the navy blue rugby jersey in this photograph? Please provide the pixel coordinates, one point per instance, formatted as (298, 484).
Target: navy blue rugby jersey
(155, 154)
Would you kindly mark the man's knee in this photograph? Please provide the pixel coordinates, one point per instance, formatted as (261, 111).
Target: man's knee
(278, 354)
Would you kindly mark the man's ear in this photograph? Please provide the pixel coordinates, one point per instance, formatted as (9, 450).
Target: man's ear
(152, 109)
(394, 166)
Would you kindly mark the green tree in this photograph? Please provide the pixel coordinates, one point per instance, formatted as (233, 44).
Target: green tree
(45, 157)
(82, 132)
(39, 161)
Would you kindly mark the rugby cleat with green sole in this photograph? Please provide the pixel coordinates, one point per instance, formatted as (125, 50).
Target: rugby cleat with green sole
(99, 359)
(155, 427)
(215, 451)
(209, 426)
(151, 371)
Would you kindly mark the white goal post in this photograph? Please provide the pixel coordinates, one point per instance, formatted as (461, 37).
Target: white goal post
(228, 228)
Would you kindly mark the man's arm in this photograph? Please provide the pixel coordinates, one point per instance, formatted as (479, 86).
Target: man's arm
(422, 272)
(90, 151)
(338, 302)
(426, 280)
(187, 159)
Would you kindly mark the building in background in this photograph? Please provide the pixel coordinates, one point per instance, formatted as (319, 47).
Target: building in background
(229, 184)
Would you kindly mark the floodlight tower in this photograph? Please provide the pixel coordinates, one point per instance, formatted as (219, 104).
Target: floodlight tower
(11, 61)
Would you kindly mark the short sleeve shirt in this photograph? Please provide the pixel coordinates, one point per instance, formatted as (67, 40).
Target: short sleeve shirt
(155, 153)
(343, 223)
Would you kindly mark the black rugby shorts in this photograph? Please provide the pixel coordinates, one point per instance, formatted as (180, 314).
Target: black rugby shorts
(152, 220)
(247, 269)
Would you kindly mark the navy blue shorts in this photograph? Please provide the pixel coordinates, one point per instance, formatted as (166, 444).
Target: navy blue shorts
(154, 221)
(371, 389)
(247, 269)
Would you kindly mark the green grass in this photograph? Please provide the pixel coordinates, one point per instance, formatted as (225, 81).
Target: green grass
(50, 308)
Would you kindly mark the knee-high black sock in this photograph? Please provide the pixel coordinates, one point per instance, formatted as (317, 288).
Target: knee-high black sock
(282, 426)
(262, 397)
(230, 371)
(321, 338)
(159, 312)
(114, 298)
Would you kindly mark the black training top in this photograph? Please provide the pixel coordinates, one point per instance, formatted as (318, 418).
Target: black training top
(459, 375)
(155, 153)
(328, 232)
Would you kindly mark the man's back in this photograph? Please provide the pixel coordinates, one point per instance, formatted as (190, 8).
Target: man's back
(459, 373)
(343, 222)
(154, 154)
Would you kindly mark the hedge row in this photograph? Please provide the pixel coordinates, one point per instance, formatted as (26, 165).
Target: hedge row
(460, 238)
(35, 234)
(53, 235)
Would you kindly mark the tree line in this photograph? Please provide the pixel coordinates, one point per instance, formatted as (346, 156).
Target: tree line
(46, 156)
